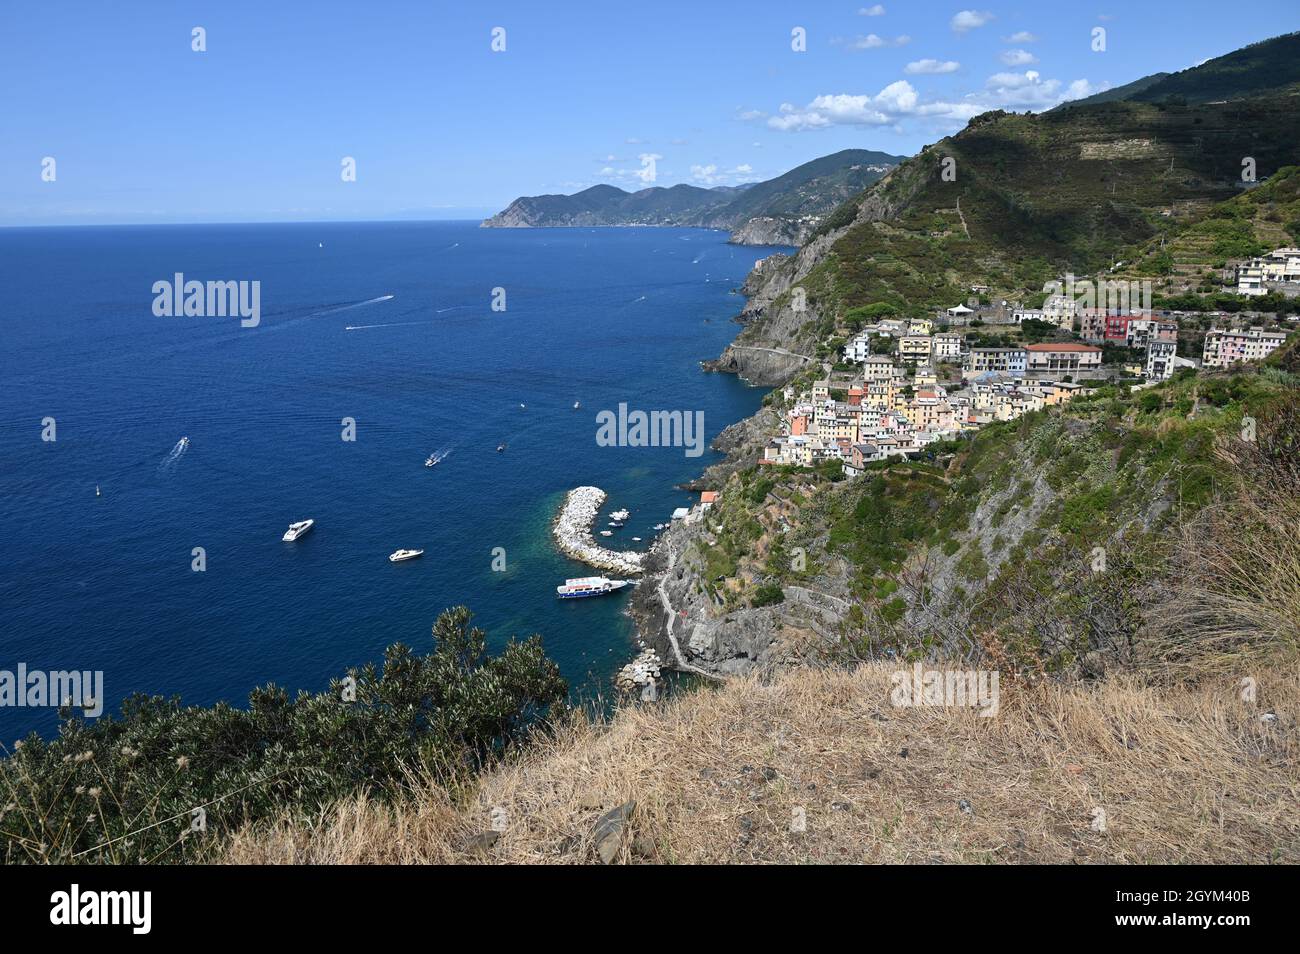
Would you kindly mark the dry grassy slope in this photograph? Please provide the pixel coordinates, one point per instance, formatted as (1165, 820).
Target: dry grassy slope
(1182, 774)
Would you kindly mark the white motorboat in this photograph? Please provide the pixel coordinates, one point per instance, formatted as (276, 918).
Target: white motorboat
(296, 530)
(398, 556)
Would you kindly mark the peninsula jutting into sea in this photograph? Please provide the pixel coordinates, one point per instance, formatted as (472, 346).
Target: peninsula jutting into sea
(878, 446)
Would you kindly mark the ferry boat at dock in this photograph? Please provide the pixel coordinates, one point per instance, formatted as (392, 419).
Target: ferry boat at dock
(589, 586)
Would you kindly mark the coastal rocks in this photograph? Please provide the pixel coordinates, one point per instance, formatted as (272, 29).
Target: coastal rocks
(482, 843)
(641, 672)
(770, 230)
(607, 836)
(573, 537)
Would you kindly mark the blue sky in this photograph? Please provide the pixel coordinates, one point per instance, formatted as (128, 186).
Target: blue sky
(144, 129)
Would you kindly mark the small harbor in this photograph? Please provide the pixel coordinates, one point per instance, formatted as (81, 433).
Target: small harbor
(574, 538)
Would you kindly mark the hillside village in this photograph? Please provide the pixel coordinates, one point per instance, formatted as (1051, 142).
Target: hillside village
(902, 384)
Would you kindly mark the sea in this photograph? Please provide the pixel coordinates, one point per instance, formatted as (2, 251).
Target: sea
(377, 345)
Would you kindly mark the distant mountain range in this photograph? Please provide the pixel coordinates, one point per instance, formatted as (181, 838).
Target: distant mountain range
(780, 211)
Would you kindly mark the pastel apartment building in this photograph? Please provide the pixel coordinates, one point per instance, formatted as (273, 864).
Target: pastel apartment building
(1009, 361)
(1062, 358)
(1224, 347)
(947, 347)
(914, 348)
(1279, 267)
(1161, 360)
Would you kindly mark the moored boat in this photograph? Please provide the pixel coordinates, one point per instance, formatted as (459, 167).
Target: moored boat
(589, 586)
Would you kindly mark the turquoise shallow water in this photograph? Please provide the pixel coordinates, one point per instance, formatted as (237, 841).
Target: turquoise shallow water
(600, 316)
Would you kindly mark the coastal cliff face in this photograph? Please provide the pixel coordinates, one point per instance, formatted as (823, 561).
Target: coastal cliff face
(677, 608)
(785, 308)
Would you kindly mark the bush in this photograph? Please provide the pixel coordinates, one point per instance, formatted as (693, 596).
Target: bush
(136, 788)
(768, 594)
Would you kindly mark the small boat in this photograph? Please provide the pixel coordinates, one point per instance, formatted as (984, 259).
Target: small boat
(397, 556)
(607, 533)
(183, 443)
(501, 448)
(636, 539)
(320, 244)
(615, 524)
(658, 526)
(589, 586)
(296, 530)
(576, 405)
(431, 462)
(620, 515)
(522, 406)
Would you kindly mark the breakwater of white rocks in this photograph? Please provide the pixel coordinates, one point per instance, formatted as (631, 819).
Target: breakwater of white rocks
(572, 531)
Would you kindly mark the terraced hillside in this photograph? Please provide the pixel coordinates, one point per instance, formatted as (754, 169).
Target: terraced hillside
(1026, 199)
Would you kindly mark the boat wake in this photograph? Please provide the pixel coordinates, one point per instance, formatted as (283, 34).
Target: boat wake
(173, 457)
(387, 324)
(355, 304)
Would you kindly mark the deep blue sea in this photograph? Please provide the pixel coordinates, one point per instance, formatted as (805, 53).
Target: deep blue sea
(599, 316)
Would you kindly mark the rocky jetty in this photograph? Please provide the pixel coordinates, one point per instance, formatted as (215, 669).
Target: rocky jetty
(572, 531)
(640, 672)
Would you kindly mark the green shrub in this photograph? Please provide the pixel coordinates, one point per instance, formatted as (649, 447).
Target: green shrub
(132, 788)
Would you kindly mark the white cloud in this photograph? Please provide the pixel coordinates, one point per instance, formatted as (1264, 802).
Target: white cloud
(1023, 36)
(969, 20)
(874, 11)
(843, 109)
(931, 67)
(873, 42)
(711, 175)
(1018, 57)
(899, 101)
(1028, 90)
(749, 114)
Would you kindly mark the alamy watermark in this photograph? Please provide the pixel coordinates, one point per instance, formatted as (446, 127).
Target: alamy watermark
(37, 688)
(211, 299)
(651, 429)
(946, 688)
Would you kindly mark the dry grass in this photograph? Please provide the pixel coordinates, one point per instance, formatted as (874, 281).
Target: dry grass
(1231, 594)
(1183, 774)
